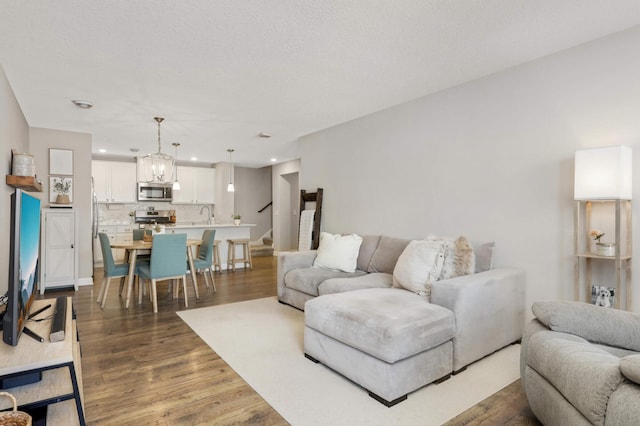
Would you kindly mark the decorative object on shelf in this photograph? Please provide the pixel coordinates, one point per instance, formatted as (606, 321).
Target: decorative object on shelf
(176, 184)
(603, 296)
(22, 164)
(15, 417)
(606, 249)
(230, 187)
(60, 189)
(236, 218)
(158, 167)
(60, 162)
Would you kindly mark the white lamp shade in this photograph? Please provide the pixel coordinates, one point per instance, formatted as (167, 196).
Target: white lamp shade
(176, 185)
(230, 187)
(603, 173)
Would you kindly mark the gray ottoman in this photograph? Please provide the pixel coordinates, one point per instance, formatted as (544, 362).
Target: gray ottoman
(389, 341)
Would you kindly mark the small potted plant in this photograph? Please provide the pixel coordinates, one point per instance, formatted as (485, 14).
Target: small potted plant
(236, 218)
(62, 187)
(602, 249)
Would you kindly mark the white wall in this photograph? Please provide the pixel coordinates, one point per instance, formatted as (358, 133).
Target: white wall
(14, 134)
(491, 159)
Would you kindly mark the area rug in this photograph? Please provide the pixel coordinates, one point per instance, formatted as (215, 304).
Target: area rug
(262, 340)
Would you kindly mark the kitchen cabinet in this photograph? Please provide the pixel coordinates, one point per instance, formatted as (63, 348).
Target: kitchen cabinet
(59, 249)
(196, 185)
(114, 181)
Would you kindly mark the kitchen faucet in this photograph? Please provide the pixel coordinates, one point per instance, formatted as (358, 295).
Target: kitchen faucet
(208, 213)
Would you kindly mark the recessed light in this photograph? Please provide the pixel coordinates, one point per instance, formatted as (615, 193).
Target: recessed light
(194, 158)
(134, 149)
(273, 160)
(102, 150)
(264, 135)
(82, 104)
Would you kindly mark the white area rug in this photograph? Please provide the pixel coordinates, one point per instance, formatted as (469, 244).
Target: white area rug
(262, 340)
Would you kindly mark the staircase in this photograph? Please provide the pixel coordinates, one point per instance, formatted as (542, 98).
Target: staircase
(264, 249)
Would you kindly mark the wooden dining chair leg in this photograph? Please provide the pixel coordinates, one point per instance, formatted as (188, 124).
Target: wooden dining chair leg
(213, 281)
(206, 277)
(154, 296)
(184, 287)
(106, 290)
(101, 292)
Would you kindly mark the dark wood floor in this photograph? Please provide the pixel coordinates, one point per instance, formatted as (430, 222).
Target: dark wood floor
(141, 368)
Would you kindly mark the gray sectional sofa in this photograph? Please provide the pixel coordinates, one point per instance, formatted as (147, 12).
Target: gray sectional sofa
(580, 364)
(392, 341)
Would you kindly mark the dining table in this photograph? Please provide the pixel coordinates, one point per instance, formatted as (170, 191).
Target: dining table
(134, 247)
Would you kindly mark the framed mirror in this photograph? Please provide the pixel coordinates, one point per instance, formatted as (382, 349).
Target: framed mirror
(60, 162)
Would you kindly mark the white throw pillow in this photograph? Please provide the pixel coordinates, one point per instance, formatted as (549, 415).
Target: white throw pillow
(338, 252)
(419, 265)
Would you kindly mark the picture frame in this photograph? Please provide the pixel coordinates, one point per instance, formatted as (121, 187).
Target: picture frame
(56, 184)
(602, 295)
(61, 162)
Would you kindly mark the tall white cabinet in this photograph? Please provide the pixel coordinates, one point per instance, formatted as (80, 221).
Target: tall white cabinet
(58, 249)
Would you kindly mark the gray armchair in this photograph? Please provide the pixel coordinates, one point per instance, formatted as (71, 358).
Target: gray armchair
(580, 364)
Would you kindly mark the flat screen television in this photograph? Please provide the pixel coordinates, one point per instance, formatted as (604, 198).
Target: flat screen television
(23, 263)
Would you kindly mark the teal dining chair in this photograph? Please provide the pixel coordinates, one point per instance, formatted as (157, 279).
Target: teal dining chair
(168, 262)
(204, 261)
(111, 268)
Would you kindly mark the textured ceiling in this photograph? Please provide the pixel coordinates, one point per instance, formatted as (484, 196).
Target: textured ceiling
(222, 71)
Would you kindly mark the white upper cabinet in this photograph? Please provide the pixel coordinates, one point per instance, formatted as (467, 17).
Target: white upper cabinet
(114, 181)
(196, 185)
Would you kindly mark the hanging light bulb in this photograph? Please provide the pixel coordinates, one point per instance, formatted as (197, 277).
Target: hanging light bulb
(176, 184)
(230, 187)
(158, 167)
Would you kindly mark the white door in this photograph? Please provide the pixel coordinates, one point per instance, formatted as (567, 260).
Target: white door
(59, 250)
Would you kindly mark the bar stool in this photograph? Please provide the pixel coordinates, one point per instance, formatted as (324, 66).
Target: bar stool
(216, 256)
(246, 253)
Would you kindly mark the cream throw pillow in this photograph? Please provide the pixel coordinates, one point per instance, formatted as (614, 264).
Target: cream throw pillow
(419, 265)
(338, 252)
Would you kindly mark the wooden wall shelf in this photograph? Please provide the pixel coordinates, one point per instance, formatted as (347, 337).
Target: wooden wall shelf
(27, 183)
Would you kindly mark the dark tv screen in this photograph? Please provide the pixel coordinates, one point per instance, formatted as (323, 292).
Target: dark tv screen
(23, 263)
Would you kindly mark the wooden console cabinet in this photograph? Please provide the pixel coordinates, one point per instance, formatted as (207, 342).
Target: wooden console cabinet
(61, 386)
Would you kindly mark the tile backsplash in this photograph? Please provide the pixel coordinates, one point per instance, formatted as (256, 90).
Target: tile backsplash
(119, 213)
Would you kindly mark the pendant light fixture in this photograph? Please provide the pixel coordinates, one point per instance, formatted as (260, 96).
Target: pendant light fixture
(230, 187)
(158, 167)
(176, 184)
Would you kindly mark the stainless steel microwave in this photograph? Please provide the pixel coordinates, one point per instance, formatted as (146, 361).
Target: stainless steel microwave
(154, 191)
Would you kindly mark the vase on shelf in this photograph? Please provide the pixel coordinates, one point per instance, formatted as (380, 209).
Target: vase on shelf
(62, 199)
(236, 221)
(605, 249)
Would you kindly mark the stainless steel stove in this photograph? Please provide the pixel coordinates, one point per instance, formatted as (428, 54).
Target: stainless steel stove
(145, 217)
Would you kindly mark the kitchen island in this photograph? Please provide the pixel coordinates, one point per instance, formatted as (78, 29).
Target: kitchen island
(224, 231)
(122, 233)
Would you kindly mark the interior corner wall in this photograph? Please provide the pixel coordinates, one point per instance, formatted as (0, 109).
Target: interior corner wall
(14, 134)
(40, 140)
(491, 159)
(253, 192)
(282, 190)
